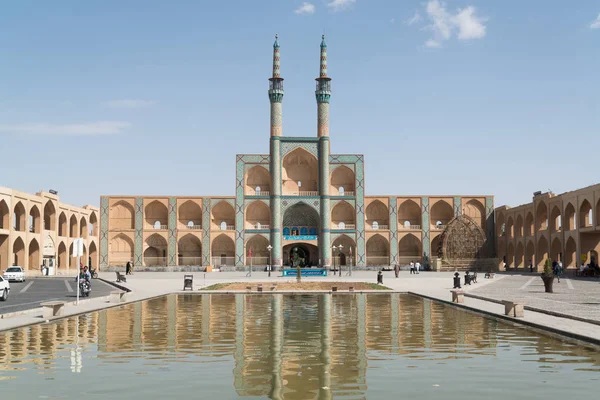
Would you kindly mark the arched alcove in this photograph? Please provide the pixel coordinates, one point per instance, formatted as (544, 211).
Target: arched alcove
(570, 254)
(476, 211)
(556, 250)
(409, 215)
(257, 215)
(519, 226)
(555, 220)
(93, 255)
(257, 247)
(510, 228)
(500, 225)
(300, 172)
(156, 215)
(155, 250)
(63, 257)
(223, 216)
(120, 250)
(63, 228)
(19, 252)
(83, 228)
(570, 220)
(541, 251)
(378, 251)
(257, 177)
(34, 255)
(377, 215)
(343, 216)
(347, 255)
(73, 231)
(510, 255)
(541, 217)
(19, 222)
(300, 220)
(410, 247)
(519, 260)
(34, 219)
(189, 250)
(441, 214)
(4, 215)
(49, 216)
(585, 215)
(93, 229)
(342, 182)
(223, 250)
(190, 211)
(529, 224)
(121, 216)
(530, 253)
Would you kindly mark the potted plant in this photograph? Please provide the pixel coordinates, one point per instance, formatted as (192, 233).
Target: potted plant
(548, 276)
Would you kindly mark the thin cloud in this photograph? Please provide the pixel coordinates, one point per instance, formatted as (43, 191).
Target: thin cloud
(465, 24)
(305, 9)
(340, 5)
(129, 103)
(596, 23)
(414, 19)
(85, 129)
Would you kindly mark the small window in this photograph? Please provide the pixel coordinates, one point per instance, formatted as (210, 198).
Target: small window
(223, 226)
(257, 190)
(407, 224)
(299, 184)
(341, 225)
(157, 225)
(258, 226)
(341, 190)
(190, 224)
(375, 225)
(438, 224)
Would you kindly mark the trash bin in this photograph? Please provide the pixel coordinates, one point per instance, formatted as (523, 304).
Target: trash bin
(380, 278)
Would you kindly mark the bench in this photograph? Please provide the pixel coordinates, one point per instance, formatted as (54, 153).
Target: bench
(458, 296)
(52, 309)
(188, 282)
(120, 277)
(117, 296)
(513, 308)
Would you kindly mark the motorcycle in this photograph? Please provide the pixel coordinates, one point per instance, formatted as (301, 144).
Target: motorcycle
(84, 288)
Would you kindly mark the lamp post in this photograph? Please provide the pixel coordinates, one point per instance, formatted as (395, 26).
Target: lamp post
(334, 247)
(269, 248)
(340, 247)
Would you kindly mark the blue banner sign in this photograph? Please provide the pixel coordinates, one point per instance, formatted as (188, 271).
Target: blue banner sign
(305, 272)
(300, 237)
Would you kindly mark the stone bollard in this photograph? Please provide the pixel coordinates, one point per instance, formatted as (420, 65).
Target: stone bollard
(456, 280)
(380, 278)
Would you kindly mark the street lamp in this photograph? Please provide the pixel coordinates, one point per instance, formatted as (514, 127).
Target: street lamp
(333, 248)
(340, 247)
(269, 248)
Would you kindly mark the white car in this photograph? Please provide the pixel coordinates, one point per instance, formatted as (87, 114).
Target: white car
(14, 273)
(4, 289)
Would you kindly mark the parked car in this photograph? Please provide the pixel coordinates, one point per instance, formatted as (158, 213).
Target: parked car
(14, 273)
(4, 289)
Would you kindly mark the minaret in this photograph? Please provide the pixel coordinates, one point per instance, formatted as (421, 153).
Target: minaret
(323, 93)
(276, 97)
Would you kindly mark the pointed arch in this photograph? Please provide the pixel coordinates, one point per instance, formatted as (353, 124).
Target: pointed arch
(19, 252)
(258, 215)
(121, 216)
(62, 224)
(570, 254)
(19, 217)
(155, 250)
(556, 250)
(4, 215)
(189, 250)
(410, 246)
(409, 214)
(541, 251)
(585, 214)
(49, 216)
(377, 215)
(598, 213)
(510, 227)
(519, 226)
(190, 215)
(519, 255)
(73, 226)
(378, 251)
(63, 258)
(345, 256)
(258, 181)
(4, 256)
(257, 246)
(441, 213)
(156, 215)
(555, 219)
(343, 216)
(34, 255)
(529, 224)
(83, 228)
(223, 250)
(500, 225)
(463, 243)
(299, 166)
(436, 246)
(530, 253)
(476, 211)
(93, 229)
(93, 255)
(120, 250)
(510, 255)
(541, 217)
(570, 220)
(223, 212)
(342, 181)
(34, 219)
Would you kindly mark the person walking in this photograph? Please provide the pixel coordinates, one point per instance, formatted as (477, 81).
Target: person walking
(417, 267)
(397, 269)
(555, 270)
(128, 268)
(530, 266)
(412, 267)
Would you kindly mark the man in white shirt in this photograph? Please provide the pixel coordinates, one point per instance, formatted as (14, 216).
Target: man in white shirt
(412, 267)
(417, 266)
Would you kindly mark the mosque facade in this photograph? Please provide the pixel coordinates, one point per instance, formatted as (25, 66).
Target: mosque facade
(297, 205)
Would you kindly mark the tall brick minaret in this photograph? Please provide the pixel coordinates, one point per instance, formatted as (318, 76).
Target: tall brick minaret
(276, 98)
(323, 94)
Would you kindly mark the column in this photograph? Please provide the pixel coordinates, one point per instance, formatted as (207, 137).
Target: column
(172, 243)
(206, 260)
(325, 214)
(276, 220)
(425, 229)
(139, 232)
(393, 231)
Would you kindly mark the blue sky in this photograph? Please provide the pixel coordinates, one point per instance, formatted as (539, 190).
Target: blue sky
(149, 97)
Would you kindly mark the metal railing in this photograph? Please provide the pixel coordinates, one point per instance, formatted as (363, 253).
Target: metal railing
(157, 227)
(378, 227)
(302, 193)
(257, 226)
(345, 226)
(259, 193)
(192, 227)
(373, 261)
(410, 227)
(218, 261)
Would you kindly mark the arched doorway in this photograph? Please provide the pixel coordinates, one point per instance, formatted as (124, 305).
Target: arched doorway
(63, 258)
(256, 250)
(519, 262)
(570, 254)
(347, 255)
(570, 219)
(34, 255)
(529, 253)
(510, 255)
(409, 249)
(19, 252)
(93, 255)
(223, 251)
(189, 250)
(303, 254)
(378, 251)
(556, 250)
(542, 252)
(155, 253)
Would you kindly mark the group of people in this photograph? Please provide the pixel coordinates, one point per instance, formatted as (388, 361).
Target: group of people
(414, 268)
(591, 269)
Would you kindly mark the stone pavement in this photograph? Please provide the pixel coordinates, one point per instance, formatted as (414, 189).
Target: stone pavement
(578, 297)
(436, 285)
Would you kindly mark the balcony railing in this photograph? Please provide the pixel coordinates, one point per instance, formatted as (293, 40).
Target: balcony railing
(158, 227)
(440, 227)
(377, 227)
(224, 227)
(346, 193)
(302, 193)
(259, 193)
(410, 227)
(259, 226)
(343, 226)
(193, 227)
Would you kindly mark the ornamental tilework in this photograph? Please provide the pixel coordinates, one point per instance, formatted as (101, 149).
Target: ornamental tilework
(172, 231)
(104, 232)
(490, 225)
(287, 202)
(346, 159)
(457, 206)
(287, 147)
(206, 231)
(239, 213)
(425, 228)
(361, 257)
(138, 250)
(393, 230)
(253, 158)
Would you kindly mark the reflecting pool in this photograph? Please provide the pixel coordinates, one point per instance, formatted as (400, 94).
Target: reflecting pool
(350, 346)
